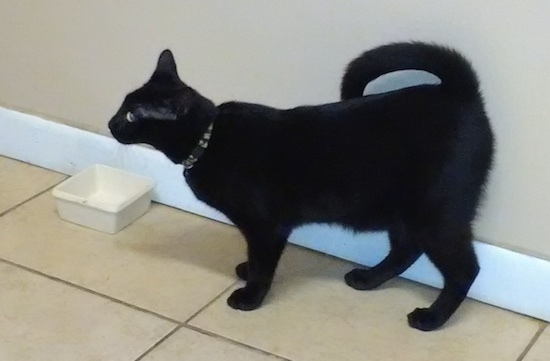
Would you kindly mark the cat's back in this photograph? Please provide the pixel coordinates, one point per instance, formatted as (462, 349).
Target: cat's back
(407, 121)
(235, 111)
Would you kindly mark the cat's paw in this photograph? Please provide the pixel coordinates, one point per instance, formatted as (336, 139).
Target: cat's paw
(242, 271)
(245, 299)
(362, 280)
(424, 319)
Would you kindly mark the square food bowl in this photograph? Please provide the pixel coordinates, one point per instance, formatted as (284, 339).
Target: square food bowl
(103, 198)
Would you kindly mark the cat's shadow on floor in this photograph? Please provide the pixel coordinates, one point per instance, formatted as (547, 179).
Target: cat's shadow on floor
(210, 248)
(220, 248)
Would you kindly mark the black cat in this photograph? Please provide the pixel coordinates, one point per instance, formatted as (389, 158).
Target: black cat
(413, 162)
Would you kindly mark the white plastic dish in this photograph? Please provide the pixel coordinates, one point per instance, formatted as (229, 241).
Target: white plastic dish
(103, 198)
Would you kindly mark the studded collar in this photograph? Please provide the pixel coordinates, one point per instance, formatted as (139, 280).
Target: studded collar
(198, 151)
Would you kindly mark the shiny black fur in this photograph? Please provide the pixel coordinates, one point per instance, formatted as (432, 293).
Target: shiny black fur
(413, 162)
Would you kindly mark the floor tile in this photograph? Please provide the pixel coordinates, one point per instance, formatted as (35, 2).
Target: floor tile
(44, 320)
(21, 181)
(312, 315)
(541, 349)
(168, 261)
(190, 345)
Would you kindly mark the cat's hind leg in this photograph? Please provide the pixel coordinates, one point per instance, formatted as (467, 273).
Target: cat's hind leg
(454, 257)
(242, 271)
(265, 246)
(403, 253)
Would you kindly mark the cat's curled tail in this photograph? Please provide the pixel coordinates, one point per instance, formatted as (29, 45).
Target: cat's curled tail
(455, 72)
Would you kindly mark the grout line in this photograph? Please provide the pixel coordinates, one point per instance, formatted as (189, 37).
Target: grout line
(87, 290)
(237, 343)
(179, 324)
(187, 325)
(186, 322)
(532, 342)
(25, 201)
(157, 344)
(36, 166)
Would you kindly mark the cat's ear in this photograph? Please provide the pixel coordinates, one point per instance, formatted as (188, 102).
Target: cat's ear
(166, 66)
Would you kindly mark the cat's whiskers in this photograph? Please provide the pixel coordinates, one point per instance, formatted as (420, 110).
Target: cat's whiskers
(122, 155)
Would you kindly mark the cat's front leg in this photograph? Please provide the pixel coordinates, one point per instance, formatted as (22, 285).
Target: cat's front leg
(265, 247)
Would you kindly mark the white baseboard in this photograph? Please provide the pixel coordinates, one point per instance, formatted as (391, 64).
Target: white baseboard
(507, 279)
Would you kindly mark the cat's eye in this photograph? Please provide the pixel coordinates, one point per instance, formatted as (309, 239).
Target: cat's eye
(130, 117)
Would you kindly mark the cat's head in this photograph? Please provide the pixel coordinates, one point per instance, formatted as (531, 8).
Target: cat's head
(164, 113)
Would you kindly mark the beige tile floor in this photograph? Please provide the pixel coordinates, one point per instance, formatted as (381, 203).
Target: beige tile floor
(157, 290)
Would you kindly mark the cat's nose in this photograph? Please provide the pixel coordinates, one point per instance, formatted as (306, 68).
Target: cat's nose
(111, 124)
(114, 126)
